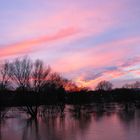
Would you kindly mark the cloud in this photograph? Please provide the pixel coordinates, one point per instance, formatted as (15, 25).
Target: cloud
(102, 55)
(32, 44)
(91, 79)
(107, 61)
(131, 62)
(92, 21)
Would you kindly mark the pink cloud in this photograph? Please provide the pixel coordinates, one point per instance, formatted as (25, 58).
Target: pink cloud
(135, 71)
(112, 53)
(104, 75)
(32, 44)
(90, 21)
(99, 56)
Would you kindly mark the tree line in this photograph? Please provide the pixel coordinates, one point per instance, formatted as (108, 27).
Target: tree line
(25, 75)
(30, 83)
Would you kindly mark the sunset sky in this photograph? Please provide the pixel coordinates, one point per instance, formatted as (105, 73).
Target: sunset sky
(84, 40)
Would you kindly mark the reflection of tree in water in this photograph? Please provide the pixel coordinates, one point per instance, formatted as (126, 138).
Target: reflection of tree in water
(45, 123)
(81, 115)
(0, 128)
(66, 128)
(53, 110)
(99, 111)
(137, 119)
(127, 115)
(76, 111)
(53, 126)
(46, 128)
(50, 124)
(103, 109)
(3, 112)
(31, 127)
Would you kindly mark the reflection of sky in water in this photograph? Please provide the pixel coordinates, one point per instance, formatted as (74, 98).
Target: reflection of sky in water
(104, 123)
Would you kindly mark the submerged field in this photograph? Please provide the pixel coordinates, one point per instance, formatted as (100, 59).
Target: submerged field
(77, 122)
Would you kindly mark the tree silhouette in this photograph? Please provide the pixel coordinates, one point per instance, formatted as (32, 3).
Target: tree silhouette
(21, 72)
(55, 87)
(134, 85)
(57, 80)
(39, 75)
(5, 74)
(127, 86)
(104, 85)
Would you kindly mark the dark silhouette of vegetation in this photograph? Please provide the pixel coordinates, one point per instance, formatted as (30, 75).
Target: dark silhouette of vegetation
(104, 86)
(135, 85)
(5, 75)
(21, 70)
(31, 84)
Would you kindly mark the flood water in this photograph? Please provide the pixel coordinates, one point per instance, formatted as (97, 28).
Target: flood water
(89, 122)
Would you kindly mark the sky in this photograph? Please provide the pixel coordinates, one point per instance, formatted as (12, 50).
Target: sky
(86, 41)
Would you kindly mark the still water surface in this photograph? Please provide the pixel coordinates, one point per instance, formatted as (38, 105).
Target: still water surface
(90, 122)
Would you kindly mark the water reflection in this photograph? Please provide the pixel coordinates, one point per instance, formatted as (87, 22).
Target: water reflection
(79, 122)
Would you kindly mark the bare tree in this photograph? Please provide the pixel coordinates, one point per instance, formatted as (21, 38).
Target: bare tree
(136, 84)
(57, 80)
(104, 85)
(70, 86)
(21, 72)
(5, 75)
(39, 75)
(127, 86)
(132, 85)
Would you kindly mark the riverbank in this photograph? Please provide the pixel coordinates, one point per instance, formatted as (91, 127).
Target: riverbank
(12, 98)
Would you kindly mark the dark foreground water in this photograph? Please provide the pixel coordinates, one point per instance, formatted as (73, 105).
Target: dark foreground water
(90, 122)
